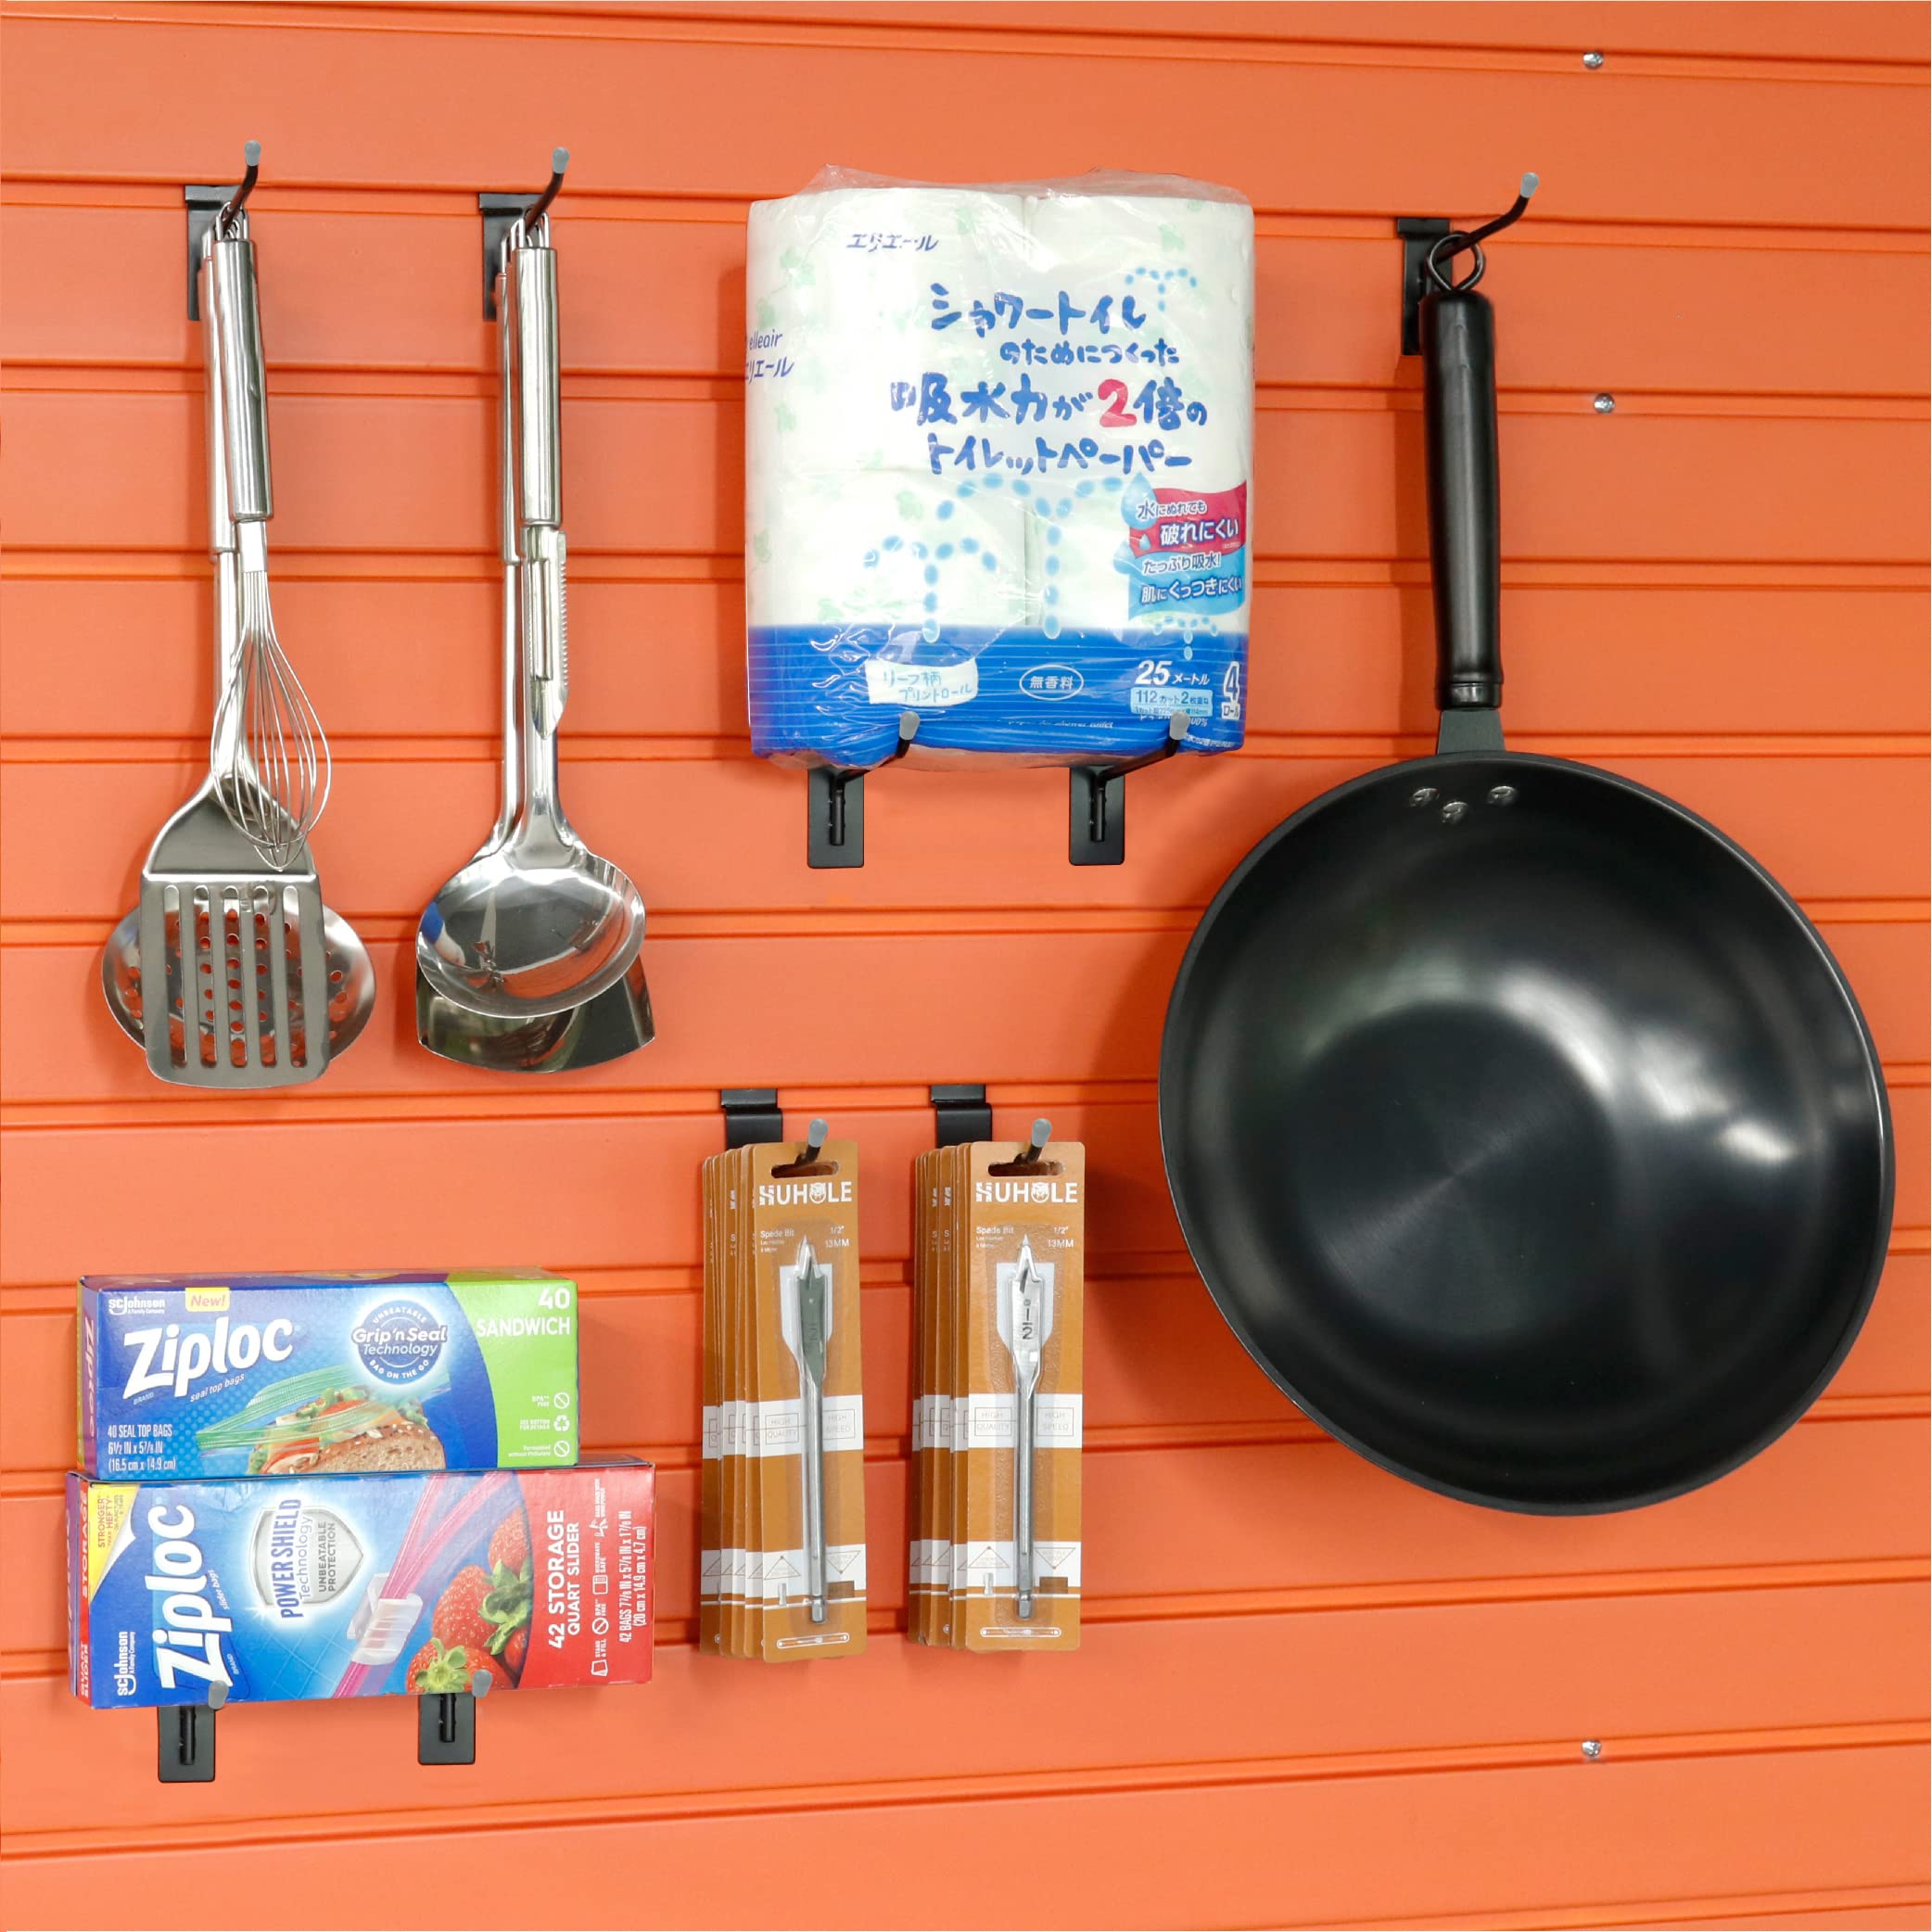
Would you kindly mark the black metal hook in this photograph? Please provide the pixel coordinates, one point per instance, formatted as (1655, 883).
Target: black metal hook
(559, 160)
(1036, 1146)
(1459, 240)
(230, 211)
(814, 1143)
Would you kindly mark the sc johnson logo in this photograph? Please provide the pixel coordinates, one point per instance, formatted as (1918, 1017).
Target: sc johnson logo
(803, 1193)
(1021, 1192)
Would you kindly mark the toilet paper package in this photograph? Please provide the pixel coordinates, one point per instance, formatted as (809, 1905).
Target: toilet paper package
(267, 1589)
(1000, 456)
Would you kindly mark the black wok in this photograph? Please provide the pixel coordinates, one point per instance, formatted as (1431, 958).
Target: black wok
(1525, 1131)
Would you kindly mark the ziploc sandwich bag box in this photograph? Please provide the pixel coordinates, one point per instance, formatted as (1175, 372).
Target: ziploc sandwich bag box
(357, 1586)
(335, 1374)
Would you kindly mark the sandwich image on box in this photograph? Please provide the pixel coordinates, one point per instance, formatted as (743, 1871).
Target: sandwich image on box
(300, 1375)
(358, 1586)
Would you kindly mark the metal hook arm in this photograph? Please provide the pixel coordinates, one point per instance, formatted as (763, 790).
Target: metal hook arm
(1459, 240)
(230, 211)
(559, 160)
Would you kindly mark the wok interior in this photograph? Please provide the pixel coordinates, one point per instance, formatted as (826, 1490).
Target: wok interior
(1538, 1154)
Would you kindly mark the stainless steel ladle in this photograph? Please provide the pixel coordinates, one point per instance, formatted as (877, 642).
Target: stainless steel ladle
(535, 924)
(610, 1024)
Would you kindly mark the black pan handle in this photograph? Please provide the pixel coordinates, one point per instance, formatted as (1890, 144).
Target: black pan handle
(1465, 532)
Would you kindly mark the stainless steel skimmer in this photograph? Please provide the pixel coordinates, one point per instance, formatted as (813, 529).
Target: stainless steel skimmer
(535, 924)
(805, 1320)
(231, 942)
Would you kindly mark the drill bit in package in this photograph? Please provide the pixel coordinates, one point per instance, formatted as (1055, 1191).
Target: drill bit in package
(1000, 1262)
(782, 1570)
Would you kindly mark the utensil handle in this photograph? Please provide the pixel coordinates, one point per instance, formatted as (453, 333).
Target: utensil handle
(812, 1455)
(236, 318)
(1458, 329)
(532, 287)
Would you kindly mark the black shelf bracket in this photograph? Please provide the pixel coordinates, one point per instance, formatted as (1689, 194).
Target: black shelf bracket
(834, 806)
(962, 1114)
(752, 1116)
(185, 1733)
(446, 1727)
(1097, 804)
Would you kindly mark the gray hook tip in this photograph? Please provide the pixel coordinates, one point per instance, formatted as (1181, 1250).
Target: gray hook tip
(251, 153)
(559, 159)
(1531, 185)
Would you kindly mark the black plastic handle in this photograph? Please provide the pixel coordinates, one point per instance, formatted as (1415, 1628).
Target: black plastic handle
(1465, 530)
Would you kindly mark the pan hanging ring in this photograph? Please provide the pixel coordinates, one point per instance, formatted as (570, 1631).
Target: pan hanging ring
(1455, 241)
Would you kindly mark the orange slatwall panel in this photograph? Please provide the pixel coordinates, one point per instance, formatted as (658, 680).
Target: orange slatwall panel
(1310, 1695)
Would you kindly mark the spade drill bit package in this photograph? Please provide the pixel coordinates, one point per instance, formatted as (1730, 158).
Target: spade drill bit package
(996, 1545)
(782, 1564)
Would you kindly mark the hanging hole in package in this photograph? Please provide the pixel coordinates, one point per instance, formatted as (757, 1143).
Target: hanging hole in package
(1000, 461)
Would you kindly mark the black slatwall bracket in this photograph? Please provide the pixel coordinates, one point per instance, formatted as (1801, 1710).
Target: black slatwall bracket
(834, 806)
(185, 1734)
(446, 1727)
(204, 204)
(752, 1116)
(1097, 804)
(962, 1114)
(1419, 233)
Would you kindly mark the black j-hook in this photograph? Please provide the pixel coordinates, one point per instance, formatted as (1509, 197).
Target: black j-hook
(559, 160)
(230, 211)
(1457, 241)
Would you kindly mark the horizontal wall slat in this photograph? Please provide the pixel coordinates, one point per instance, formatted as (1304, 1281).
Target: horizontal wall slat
(638, 1393)
(621, 1185)
(1846, 31)
(388, 658)
(1608, 147)
(1095, 1007)
(1398, 1848)
(698, 834)
(1851, 30)
(363, 472)
(1307, 1516)
(1749, 1661)
(1578, 313)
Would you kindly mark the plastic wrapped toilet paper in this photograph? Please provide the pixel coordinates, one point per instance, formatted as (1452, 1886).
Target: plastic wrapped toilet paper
(999, 448)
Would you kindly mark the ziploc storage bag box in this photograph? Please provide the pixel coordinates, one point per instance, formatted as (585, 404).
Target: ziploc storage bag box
(354, 1586)
(337, 1374)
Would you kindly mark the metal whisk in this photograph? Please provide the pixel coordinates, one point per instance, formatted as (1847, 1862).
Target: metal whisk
(267, 750)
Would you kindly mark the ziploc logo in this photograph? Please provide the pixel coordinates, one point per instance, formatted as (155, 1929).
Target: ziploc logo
(189, 1623)
(172, 1358)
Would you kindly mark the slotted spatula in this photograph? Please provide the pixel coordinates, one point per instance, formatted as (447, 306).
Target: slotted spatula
(236, 943)
(235, 947)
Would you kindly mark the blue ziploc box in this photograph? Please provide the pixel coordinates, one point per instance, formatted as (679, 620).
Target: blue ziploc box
(358, 1586)
(325, 1374)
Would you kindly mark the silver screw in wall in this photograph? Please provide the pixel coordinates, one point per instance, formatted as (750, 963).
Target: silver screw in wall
(1593, 60)
(1604, 404)
(1593, 1749)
